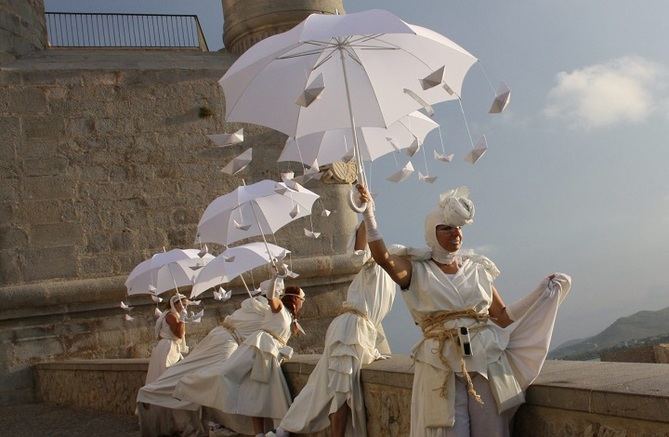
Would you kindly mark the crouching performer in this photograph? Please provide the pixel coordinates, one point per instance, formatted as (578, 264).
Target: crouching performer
(160, 413)
(354, 339)
(249, 387)
(170, 331)
(477, 356)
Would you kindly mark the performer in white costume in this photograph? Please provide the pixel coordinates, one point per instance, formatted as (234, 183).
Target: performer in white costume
(477, 356)
(354, 339)
(170, 331)
(161, 413)
(250, 383)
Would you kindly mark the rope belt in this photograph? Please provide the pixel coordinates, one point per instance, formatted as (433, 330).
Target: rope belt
(231, 329)
(348, 309)
(276, 337)
(433, 328)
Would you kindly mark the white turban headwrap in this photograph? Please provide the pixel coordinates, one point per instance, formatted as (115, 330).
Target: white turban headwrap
(454, 209)
(178, 297)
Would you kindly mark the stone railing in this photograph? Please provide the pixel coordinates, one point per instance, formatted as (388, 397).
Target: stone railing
(570, 398)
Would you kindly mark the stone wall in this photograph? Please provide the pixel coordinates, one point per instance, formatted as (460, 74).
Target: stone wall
(569, 398)
(658, 353)
(104, 162)
(22, 28)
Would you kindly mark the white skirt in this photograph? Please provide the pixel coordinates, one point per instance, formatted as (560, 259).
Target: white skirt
(164, 354)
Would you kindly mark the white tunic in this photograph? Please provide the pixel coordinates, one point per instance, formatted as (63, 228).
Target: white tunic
(510, 358)
(351, 342)
(250, 382)
(166, 352)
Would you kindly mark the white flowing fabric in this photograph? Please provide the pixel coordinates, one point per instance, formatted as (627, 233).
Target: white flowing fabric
(167, 351)
(250, 382)
(351, 342)
(509, 358)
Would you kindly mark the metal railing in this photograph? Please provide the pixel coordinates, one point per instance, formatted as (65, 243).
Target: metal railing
(83, 29)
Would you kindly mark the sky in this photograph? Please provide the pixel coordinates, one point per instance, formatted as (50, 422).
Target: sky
(575, 179)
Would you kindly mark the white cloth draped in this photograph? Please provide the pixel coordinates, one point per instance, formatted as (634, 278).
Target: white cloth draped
(351, 342)
(509, 358)
(167, 352)
(250, 382)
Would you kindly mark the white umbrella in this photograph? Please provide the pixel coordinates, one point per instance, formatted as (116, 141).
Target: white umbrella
(166, 271)
(363, 69)
(251, 210)
(233, 262)
(330, 146)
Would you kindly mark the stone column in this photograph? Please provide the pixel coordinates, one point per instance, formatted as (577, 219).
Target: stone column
(249, 21)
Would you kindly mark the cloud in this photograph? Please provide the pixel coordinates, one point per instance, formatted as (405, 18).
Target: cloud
(624, 90)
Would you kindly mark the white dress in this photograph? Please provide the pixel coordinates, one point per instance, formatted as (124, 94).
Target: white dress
(167, 352)
(166, 414)
(509, 358)
(250, 382)
(352, 341)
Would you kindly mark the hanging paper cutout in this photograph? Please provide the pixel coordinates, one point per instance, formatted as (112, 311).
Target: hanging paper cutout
(312, 92)
(433, 79)
(443, 158)
(426, 178)
(426, 106)
(238, 163)
(223, 140)
(402, 174)
(502, 99)
(479, 150)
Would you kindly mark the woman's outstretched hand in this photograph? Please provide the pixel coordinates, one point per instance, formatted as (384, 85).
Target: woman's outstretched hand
(365, 197)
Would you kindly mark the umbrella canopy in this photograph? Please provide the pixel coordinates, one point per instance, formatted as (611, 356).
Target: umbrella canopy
(166, 271)
(256, 209)
(382, 56)
(235, 261)
(330, 146)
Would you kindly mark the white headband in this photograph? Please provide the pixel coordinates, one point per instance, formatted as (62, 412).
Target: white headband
(455, 209)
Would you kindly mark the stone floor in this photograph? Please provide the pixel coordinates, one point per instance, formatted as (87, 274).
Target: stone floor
(50, 420)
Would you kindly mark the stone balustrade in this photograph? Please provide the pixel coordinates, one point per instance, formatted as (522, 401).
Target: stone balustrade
(570, 398)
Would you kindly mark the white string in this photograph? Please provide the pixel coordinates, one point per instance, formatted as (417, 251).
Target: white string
(480, 64)
(441, 139)
(427, 170)
(464, 117)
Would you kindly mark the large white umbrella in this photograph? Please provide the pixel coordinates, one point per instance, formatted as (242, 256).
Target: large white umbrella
(257, 209)
(235, 261)
(333, 72)
(332, 145)
(166, 271)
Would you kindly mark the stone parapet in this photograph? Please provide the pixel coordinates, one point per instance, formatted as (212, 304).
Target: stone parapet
(658, 353)
(569, 398)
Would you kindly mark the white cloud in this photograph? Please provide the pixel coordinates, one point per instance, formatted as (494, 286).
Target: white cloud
(624, 90)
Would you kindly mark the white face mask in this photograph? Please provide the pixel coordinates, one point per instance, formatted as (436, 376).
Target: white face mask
(439, 254)
(455, 209)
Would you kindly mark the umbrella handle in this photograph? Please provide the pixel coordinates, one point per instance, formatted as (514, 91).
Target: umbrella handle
(354, 203)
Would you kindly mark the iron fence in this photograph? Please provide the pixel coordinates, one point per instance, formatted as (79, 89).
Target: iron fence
(84, 29)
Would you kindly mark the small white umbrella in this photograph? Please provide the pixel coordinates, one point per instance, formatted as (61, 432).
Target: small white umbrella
(251, 210)
(166, 271)
(235, 261)
(330, 146)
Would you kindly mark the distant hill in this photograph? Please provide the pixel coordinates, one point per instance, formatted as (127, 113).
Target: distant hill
(639, 326)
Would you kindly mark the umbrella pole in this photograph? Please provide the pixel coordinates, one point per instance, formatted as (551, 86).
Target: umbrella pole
(245, 286)
(356, 146)
(269, 254)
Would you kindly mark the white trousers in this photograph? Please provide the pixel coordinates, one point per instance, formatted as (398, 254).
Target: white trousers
(471, 418)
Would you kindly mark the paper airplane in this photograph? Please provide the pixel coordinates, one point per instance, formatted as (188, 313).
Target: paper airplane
(348, 156)
(281, 189)
(203, 251)
(478, 151)
(290, 273)
(281, 255)
(295, 211)
(403, 174)
(312, 92)
(433, 79)
(222, 294)
(228, 259)
(240, 226)
(426, 106)
(413, 148)
(152, 288)
(299, 328)
(426, 178)
(502, 99)
(157, 313)
(194, 302)
(156, 299)
(238, 163)
(326, 213)
(129, 318)
(311, 234)
(223, 140)
(125, 306)
(443, 158)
